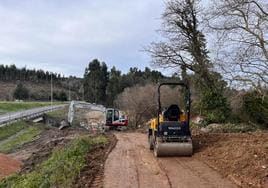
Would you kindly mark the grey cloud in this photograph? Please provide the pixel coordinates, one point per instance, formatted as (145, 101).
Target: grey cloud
(64, 35)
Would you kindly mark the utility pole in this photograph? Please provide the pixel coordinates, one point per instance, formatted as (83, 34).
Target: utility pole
(51, 89)
(83, 92)
(69, 90)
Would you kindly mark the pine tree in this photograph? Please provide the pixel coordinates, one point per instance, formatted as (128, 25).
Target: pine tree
(95, 82)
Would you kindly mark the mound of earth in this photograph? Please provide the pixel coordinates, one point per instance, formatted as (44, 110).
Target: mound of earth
(242, 157)
(8, 165)
(95, 120)
(92, 173)
(39, 150)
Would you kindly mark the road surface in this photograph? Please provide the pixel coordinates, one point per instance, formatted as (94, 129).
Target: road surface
(131, 164)
(12, 116)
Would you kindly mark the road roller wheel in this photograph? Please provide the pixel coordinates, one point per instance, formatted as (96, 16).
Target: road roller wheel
(173, 148)
(156, 148)
(151, 142)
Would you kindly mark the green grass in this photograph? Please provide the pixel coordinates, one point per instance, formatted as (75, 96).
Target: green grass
(16, 106)
(61, 169)
(24, 136)
(59, 114)
(12, 129)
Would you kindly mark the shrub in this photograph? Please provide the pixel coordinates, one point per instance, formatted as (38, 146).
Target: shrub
(21, 92)
(255, 107)
(215, 106)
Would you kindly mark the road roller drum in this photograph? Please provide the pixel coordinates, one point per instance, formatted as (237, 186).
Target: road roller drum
(173, 149)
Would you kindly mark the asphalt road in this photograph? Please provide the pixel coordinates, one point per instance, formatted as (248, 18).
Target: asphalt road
(13, 116)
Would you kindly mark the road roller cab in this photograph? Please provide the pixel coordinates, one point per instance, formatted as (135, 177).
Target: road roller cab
(169, 133)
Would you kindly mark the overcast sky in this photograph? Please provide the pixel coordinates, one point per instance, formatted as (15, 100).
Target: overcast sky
(64, 35)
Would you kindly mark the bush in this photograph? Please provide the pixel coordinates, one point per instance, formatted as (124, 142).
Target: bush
(215, 107)
(255, 107)
(21, 92)
(61, 96)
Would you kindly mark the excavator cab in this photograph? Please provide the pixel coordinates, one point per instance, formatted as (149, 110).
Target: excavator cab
(169, 134)
(115, 118)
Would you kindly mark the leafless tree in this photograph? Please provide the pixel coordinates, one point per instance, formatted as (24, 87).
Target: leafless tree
(136, 102)
(185, 44)
(140, 102)
(242, 40)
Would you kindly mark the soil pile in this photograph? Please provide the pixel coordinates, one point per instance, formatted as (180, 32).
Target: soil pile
(242, 157)
(39, 150)
(92, 174)
(8, 165)
(95, 120)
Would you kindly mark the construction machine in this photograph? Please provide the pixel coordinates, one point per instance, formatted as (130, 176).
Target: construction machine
(169, 133)
(115, 118)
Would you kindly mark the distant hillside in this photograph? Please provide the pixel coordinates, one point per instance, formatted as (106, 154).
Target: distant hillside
(37, 82)
(12, 73)
(38, 90)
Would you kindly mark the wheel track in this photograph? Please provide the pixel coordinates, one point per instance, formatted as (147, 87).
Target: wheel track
(165, 172)
(131, 164)
(194, 171)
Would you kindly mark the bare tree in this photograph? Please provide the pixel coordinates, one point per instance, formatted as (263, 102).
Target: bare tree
(140, 102)
(137, 101)
(242, 40)
(185, 44)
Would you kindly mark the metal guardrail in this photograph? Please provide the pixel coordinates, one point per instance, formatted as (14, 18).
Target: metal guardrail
(27, 114)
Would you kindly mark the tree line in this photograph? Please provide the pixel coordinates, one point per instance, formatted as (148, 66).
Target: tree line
(62, 85)
(13, 73)
(102, 85)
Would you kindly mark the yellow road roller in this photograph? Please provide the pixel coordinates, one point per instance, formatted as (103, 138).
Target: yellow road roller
(169, 133)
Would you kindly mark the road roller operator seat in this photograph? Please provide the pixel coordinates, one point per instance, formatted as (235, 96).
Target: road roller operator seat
(172, 113)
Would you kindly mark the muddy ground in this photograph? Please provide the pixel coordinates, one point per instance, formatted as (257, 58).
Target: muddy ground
(241, 157)
(26, 157)
(8, 165)
(92, 174)
(132, 164)
(220, 160)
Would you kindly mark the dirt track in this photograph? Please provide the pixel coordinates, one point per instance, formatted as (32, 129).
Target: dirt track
(131, 164)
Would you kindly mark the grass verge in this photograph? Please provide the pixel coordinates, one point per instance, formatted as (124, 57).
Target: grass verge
(59, 114)
(12, 129)
(62, 167)
(16, 106)
(22, 137)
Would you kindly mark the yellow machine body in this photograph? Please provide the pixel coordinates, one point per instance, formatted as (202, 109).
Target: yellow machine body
(169, 133)
(153, 123)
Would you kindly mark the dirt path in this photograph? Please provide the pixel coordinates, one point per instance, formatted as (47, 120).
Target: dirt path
(131, 164)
